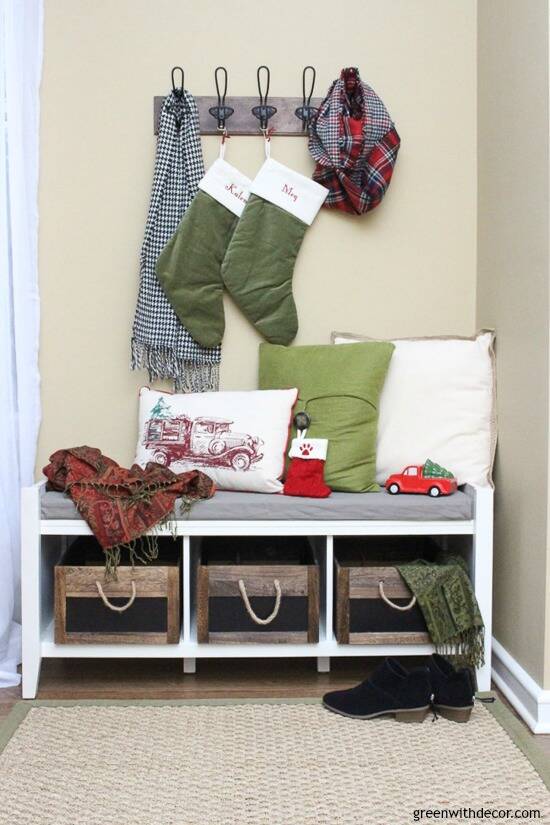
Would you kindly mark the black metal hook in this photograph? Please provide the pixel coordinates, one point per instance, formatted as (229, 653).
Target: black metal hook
(180, 104)
(178, 90)
(306, 111)
(263, 112)
(221, 112)
(263, 98)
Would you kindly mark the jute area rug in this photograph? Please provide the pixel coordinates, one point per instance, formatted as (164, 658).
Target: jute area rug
(256, 763)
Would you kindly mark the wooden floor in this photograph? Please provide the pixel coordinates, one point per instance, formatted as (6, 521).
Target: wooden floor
(215, 679)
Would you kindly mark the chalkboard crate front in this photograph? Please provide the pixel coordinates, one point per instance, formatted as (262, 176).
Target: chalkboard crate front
(257, 589)
(142, 606)
(372, 602)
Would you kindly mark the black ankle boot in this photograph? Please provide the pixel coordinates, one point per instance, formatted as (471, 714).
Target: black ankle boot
(390, 690)
(453, 689)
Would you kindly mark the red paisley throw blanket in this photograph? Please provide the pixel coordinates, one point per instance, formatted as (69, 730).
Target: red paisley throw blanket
(121, 505)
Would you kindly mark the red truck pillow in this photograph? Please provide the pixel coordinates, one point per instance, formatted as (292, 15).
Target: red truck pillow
(239, 439)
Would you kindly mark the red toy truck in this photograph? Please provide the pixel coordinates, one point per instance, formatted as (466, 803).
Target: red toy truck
(429, 479)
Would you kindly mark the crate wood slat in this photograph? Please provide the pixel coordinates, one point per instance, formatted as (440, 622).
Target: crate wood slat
(258, 580)
(202, 603)
(313, 604)
(364, 583)
(60, 606)
(143, 638)
(148, 579)
(251, 637)
(124, 594)
(382, 638)
(342, 604)
(242, 121)
(174, 614)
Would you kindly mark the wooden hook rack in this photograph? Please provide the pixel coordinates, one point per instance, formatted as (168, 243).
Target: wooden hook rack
(243, 122)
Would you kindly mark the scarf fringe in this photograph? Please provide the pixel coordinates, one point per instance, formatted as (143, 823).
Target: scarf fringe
(466, 648)
(143, 550)
(188, 376)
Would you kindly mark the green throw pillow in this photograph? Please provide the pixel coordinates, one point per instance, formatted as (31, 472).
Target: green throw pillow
(339, 388)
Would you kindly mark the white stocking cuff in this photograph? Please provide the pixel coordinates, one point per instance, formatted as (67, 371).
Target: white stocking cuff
(226, 185)
(289, 190)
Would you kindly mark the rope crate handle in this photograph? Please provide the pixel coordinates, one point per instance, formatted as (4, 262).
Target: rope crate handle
(273, 615)
(115, 607)
(389, 602)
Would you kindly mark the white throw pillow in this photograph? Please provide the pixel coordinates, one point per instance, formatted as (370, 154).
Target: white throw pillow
(438, 402)
(239, 439)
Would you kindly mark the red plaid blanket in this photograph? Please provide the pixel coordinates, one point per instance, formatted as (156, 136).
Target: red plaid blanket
(121, 505)
(355, 144)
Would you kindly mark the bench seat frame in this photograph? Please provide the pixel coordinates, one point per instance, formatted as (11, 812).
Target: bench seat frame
(44, 540)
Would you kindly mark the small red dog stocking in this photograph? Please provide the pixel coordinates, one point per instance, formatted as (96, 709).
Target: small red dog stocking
(305, 475)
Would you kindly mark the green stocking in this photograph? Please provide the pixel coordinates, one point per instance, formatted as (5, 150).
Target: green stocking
(189, 266)
(259, 263)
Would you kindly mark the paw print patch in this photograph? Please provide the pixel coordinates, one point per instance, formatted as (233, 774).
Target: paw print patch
(309, 448)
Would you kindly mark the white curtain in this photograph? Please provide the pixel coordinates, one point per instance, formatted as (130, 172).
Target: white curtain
(21, 23)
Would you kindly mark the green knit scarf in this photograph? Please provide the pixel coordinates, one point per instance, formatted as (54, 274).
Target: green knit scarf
(447, 600)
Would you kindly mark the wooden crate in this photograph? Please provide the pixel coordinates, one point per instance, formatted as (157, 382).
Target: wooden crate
(84, 616)
(234, 571)
(362, 615)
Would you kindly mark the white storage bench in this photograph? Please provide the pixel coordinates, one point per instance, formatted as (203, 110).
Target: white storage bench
(50, 520)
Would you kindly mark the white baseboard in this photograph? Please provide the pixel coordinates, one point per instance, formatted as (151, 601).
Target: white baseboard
(524, 694)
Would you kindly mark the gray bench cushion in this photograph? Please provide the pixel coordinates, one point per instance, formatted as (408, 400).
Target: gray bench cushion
(225, 506)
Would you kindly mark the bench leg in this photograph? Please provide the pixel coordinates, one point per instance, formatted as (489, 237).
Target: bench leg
(31, 676)
(189, 665)
(483, 574)
(323, 664)
(31, 605)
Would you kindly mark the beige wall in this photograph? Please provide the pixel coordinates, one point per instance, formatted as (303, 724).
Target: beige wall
(408, 268)
(513, 297)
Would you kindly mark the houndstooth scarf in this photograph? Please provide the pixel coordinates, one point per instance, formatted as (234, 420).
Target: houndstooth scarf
(160, 343)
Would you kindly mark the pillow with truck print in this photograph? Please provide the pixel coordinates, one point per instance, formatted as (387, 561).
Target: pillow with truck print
(239, 439)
